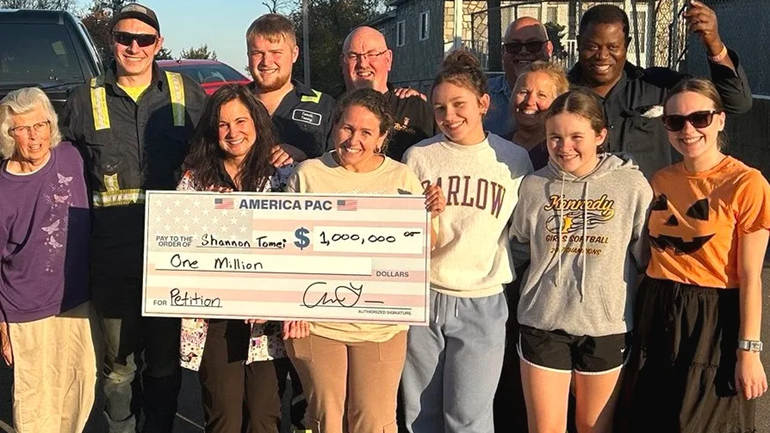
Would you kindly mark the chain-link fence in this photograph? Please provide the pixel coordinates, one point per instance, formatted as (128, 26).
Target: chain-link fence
(743, 27)
(659, 34)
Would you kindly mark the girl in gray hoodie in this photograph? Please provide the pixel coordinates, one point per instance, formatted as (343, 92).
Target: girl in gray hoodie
(580, 221)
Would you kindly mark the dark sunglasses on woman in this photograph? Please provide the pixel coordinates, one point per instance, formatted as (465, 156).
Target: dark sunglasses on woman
(698, 119)
(143, 40)
(533, 47)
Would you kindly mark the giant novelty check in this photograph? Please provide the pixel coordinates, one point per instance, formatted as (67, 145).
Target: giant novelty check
(287, 256)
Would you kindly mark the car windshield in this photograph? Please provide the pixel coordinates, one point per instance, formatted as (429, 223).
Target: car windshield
(40, 54)
(209, 73)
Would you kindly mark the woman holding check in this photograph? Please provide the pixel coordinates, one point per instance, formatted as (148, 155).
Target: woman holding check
(243, 364)
(351, 372)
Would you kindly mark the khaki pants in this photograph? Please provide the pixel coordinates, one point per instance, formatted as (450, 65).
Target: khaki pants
(363, 375)
(54, 372)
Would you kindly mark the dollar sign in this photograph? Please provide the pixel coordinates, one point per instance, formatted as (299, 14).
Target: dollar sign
(302, 240)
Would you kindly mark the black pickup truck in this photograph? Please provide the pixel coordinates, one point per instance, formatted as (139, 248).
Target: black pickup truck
(47, 49)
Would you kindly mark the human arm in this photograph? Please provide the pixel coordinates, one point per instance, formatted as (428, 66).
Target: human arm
(405, 92)
(727, 74)
(285, 154)
(639, 246)
(435, 203)
(750, 378)
(752, 210)
(5, 338)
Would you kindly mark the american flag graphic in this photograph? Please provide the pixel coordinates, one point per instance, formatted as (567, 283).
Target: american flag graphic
(345, 205)
(223, 203)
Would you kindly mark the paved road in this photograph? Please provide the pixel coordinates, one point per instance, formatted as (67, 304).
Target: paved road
(190, 418)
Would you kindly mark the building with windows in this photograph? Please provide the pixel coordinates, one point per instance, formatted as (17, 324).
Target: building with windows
(422, 32)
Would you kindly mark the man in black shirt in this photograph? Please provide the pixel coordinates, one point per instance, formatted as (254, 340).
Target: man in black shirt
(301, 115)
(133, 124)
(632, 96)
(366, 62)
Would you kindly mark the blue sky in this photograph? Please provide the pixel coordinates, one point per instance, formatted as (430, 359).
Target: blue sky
(221, 24)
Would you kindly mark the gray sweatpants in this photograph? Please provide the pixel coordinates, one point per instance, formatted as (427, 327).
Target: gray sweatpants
(453, 365)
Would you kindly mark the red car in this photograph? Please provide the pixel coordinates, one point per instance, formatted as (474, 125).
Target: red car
(211, 74)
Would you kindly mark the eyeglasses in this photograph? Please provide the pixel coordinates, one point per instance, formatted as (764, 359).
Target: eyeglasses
(370, 57)
(533, 47)
(20, 131)
(143, 40)
(698, 119)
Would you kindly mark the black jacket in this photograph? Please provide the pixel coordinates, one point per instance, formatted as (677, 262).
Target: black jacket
(141, 149)
(414, 122)
(303, 119)
(636, 129)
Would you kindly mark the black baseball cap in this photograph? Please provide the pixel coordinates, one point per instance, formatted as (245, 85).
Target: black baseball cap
(139, 12)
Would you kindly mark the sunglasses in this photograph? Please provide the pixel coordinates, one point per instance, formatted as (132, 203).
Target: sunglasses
(698, 119)
(532, 47)
(127, 39)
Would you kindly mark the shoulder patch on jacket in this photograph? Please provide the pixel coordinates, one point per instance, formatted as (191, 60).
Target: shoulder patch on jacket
(314, 98)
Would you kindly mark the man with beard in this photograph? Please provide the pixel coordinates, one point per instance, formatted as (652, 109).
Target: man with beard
(301, 115)
(525, 41)
(366, 62)
(633, 97)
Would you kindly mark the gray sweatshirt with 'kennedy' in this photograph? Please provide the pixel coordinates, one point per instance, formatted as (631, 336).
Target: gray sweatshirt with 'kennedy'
(586, 243)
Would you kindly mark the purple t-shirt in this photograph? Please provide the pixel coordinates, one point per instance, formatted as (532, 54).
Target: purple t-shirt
(44, 231)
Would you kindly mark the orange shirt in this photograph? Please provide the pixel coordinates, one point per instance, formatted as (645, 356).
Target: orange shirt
(696, 218)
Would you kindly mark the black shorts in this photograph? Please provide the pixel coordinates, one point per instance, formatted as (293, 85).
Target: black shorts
(565, 353)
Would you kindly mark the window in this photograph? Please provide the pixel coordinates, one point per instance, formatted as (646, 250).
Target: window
(552, 14)
(641, 22)
(400, 33)
(424, 26)
(38, 54)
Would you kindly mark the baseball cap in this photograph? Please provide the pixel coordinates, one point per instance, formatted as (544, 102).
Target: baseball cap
(139, 12)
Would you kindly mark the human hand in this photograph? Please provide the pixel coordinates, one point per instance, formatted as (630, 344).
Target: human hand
(435, 202)
(702, 20)
(750, 379)
(295, 329)
(405, 92)
(284, 154)
(219, 189)
(255, 321)
(5, 343)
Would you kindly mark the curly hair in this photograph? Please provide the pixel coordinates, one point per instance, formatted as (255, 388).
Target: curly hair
(23, 101)
(206, 156)
(373, 101)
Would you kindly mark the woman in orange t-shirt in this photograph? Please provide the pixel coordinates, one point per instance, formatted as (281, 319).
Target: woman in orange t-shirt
(695, 363)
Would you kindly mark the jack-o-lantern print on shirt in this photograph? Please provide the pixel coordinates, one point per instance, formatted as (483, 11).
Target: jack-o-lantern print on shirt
(695, 220)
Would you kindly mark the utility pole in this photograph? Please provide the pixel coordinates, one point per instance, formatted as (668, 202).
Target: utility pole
(494, 36)
(306, 42)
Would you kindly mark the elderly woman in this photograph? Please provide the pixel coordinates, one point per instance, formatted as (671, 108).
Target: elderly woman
(533, 93)
(45, 324)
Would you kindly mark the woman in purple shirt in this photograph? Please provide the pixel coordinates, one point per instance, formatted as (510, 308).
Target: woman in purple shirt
(45, 325)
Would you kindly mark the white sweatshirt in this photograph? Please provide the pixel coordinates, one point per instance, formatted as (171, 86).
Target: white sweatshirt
(472, 258)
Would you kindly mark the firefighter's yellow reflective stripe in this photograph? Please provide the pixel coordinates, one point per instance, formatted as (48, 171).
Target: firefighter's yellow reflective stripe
(176, 89)
(99, 106)
(121, 197)
(315, 98)
(111, 182)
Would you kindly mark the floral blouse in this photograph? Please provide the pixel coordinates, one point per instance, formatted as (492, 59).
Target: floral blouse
(266, 342)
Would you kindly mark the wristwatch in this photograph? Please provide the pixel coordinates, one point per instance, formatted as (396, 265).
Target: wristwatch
(750, 345)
